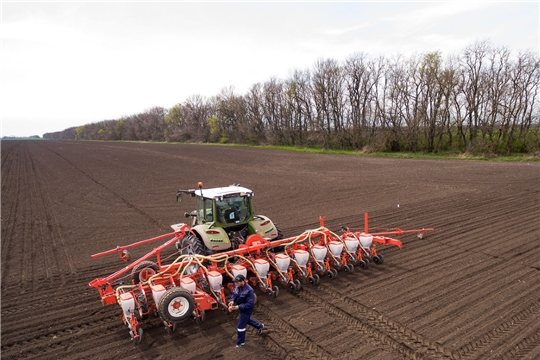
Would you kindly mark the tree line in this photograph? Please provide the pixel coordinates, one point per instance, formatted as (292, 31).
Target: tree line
(483, 100)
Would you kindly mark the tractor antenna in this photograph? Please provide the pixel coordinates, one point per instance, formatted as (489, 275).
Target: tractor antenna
(200, 186)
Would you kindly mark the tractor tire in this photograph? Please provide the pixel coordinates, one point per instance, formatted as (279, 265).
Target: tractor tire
(278, 249)
(191, 245)
(143, 307)
(205, 286)
(143, 271)
(279, 234)
(176, 305)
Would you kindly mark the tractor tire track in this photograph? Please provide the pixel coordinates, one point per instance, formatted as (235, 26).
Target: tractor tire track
(128, 203)
(384, 330)
(11, 163)
(526, 318)
(295, 344)
(487, 227)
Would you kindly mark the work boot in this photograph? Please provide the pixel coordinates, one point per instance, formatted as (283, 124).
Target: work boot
(240, 345)
(259, 331)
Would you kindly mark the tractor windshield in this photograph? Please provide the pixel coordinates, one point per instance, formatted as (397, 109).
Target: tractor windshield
(233, 210)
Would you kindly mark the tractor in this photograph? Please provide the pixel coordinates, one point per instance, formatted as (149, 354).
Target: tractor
(223, 220)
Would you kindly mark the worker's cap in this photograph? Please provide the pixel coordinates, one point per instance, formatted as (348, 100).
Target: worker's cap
(239, 277)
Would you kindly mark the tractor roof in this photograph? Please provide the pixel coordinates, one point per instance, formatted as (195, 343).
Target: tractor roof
(215, 193)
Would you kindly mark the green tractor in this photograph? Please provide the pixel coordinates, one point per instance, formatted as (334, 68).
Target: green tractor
(223, 220)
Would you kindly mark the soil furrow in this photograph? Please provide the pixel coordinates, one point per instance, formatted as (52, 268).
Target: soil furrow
(469, 289)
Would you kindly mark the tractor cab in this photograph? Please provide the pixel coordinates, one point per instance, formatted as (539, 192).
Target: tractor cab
(223, 219)
(226, 207)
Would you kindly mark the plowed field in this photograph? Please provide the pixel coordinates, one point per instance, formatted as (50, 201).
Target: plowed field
(468, 290)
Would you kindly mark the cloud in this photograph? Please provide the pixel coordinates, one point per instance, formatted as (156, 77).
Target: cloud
(102, 60)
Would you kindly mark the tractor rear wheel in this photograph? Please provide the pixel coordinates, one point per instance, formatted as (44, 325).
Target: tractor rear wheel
(176, 305)
(143, 271)
(204, 286)
(191, 245)
(279, 234)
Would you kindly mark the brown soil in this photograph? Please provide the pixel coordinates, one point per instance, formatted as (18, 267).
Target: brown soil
(468, 290)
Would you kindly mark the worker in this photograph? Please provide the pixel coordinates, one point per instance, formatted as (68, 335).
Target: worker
(243, 299)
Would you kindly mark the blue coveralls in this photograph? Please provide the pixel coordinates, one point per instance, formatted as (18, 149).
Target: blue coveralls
(244, 298)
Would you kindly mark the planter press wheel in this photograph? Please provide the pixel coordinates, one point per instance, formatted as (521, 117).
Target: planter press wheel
(316, 279)
(170, 329)
(332, 273)
(139, 338)
(378, 259)
(292, 286)
(200, 320)
(351, 268)
(176, 305)
(275, 290)
(364, 263)
(144, 271)
(298, 284)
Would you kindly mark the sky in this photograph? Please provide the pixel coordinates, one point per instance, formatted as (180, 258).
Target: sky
(66, 64)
